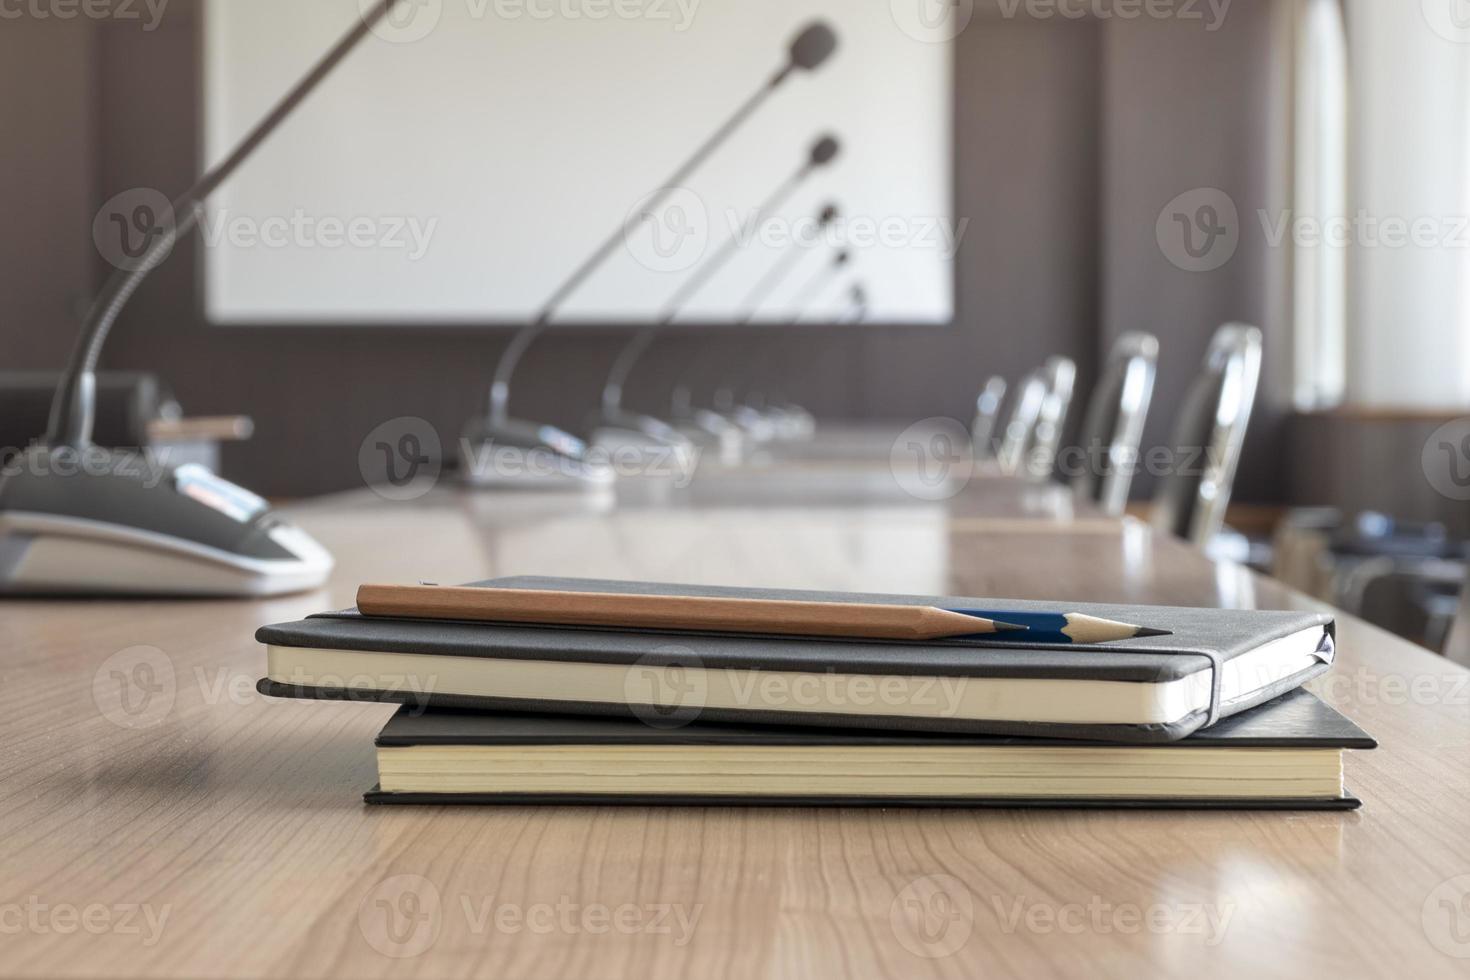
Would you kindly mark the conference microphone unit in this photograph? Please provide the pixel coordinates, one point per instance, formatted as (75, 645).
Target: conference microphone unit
(81, 519)
(808, 51)
(615, 424)
(796, 422)
(707, 359)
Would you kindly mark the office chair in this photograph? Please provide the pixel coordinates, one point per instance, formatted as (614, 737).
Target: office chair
(1021, 424)
(987, 418)
(1113, 426)
(1061, 381)
(1209, 437)
(1457, 640)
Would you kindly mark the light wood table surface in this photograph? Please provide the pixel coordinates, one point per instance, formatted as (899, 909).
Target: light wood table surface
(159, 818)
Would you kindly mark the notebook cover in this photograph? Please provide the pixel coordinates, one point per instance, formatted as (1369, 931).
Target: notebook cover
(377, 796)
(1295, 720)
(1196, 632)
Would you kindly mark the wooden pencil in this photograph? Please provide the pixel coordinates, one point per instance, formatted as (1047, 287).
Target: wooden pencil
(664, 612)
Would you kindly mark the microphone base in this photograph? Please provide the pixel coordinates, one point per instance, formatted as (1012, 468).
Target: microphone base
(646, 446)
(99, 522)
(711, 430)
(792, 422)
(521, 455)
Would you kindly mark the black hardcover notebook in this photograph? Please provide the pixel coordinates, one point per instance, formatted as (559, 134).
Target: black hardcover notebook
(1217, 663)
(1286, 754)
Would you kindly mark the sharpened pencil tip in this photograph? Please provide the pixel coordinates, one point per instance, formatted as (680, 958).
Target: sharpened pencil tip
(1149, 631)
(1009, 627)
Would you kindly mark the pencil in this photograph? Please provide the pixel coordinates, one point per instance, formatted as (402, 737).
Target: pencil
(1071, 628)
(672, 612)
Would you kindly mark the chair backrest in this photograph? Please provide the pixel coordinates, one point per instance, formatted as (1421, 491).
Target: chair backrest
(1457, 642)
(1061, 382)
(1020, 427)
(987, 417)
(1209, 437)
(1113, 427)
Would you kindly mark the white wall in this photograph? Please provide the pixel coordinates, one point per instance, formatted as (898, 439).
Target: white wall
(1409, 152)
(522, 140)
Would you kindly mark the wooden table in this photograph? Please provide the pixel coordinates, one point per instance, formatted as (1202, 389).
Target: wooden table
(158, 817)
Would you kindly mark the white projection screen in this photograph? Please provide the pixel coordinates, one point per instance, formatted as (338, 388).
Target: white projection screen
(462, 162)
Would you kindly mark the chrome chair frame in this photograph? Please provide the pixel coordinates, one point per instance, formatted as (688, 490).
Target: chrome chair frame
(1061, 384)
(1233, 363)
(1026, 407)
(987, 418)
(1128, 377)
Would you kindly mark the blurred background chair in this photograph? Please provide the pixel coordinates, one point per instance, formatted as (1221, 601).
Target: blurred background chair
(1208, 438)
(1112, 429)
(987, 418)
(1021, 423)
(1407, 577)
(1060, 374)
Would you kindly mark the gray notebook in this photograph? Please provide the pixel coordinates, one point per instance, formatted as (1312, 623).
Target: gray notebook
(1216, 663)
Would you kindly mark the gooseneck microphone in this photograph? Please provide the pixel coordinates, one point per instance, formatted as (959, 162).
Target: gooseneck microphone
(806, 296)
(74, 409)
(808, 51)
(814, 286)
(681, 400)
(79, 519)
(779, 272)
(859, 310)
(821, 154)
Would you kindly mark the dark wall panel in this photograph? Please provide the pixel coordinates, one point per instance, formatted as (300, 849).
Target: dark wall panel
(1052, 120)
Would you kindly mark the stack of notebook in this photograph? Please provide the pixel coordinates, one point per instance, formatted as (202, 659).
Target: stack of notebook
(599, 692)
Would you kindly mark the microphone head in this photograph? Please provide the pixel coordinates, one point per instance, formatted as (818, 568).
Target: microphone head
(813, 45)
(827, 215)
(824, 151)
